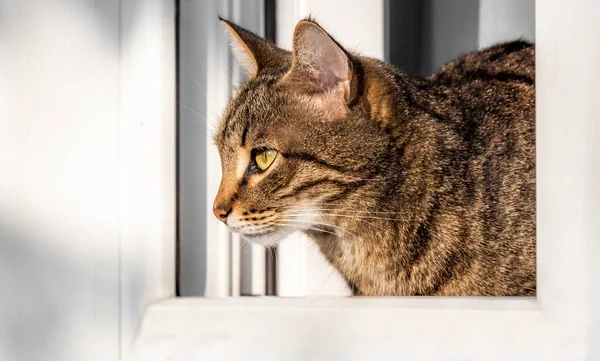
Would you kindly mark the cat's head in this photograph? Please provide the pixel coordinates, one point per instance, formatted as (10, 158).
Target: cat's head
(295, 141)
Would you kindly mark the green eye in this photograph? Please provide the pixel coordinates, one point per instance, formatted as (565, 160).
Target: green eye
(264, 158)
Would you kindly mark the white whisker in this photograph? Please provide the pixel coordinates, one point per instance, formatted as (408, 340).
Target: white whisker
(332, 208)
(312, 223)
(347, 215)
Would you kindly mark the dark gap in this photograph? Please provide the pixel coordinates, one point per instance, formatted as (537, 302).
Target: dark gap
(404, 34)
(423, 35)
(177, 163)
(270, 20)
(271, 257)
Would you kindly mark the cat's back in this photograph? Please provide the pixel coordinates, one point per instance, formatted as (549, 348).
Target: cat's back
(507, 62)
(496, 91)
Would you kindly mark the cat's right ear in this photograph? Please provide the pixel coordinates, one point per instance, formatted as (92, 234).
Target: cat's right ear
(254, 53)
(321, 69)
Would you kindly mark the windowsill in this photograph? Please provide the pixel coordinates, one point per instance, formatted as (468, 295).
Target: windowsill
(413, 328)
(410, 303)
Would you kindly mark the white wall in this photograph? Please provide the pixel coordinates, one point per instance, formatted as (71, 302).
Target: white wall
(147, 167)
(86, 174)
(506, 20)
(59, 180)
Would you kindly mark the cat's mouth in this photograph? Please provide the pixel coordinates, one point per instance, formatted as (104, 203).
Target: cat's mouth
(270, 230)
(267, 238)
(251, 236)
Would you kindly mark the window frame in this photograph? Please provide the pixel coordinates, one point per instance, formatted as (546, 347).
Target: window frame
(562, 322)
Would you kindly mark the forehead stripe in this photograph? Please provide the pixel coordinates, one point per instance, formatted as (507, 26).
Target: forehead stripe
(312, 159)
(244, 133)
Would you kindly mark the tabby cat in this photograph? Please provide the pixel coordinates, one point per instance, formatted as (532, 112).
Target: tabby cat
(409, 186)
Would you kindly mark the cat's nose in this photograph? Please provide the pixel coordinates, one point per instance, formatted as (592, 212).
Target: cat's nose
(220, 211)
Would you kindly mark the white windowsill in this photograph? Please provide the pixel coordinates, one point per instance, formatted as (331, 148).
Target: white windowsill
(406, 303)
(416, 328)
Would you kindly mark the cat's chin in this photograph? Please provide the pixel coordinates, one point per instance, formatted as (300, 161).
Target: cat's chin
(267, 239)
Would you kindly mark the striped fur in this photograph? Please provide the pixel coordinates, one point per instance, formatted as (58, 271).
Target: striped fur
(412, 187)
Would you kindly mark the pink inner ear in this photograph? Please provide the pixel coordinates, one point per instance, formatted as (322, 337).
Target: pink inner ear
(323, 57)
(329, 80)
(334, 70)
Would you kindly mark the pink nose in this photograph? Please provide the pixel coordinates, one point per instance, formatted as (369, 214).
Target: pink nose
(220, 212)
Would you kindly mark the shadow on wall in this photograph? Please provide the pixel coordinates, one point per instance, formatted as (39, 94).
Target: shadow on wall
(59, 180)
(53, 297)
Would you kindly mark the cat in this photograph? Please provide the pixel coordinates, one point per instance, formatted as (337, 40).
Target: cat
(409, 186)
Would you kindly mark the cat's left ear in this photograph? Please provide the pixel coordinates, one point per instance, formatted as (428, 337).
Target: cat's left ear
(319, 65)
(254, 53)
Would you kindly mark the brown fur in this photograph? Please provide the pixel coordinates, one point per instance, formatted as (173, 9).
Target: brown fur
(408, 186)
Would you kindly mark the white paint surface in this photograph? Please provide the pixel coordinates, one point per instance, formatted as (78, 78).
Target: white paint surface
(352, 329)
(146, 160)
(59, 180)
(506, 20)
(86, 174)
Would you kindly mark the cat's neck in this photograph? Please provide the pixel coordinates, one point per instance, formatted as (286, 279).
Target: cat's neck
(399, 102)
(384, 216)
